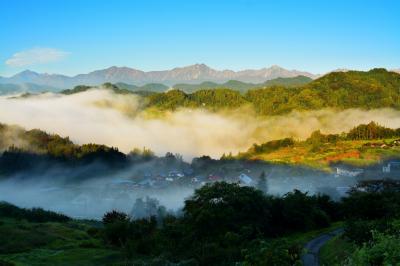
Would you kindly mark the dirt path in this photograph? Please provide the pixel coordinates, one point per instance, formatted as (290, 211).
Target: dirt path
(310, 258)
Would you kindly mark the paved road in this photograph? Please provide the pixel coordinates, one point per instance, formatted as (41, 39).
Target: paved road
(310, 258)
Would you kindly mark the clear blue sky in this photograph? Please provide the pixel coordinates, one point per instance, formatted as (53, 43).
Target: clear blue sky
(71, 37)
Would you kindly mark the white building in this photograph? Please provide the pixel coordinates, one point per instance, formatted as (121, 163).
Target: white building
(349, 173)
(245, 179)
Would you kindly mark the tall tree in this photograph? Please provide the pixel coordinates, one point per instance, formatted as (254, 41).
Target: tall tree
(262, 183)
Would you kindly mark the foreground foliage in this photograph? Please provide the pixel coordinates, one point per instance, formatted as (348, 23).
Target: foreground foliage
(223, 224)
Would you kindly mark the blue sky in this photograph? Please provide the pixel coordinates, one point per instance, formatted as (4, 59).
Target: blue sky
(71, 37)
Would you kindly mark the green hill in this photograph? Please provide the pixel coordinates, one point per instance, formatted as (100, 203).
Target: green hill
(287, 82)
(190, 88)
(213, 99)
(377, 88)
(106, 86)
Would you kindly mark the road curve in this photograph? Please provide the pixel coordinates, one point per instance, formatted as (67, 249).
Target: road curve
(310, 258)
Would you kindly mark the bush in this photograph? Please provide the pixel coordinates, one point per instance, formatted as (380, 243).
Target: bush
(384, 250)
(114, 216)
(93, 232)
(278, 252)
(117, 233)
(359, 231)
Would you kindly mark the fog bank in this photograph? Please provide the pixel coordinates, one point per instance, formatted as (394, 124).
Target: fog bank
(101, 116)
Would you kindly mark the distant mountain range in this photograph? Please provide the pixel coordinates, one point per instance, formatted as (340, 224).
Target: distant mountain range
(193, 74)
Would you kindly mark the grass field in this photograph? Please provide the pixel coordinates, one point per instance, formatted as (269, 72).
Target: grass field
(24, 243)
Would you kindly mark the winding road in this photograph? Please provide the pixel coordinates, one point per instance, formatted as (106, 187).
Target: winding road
(310, 258)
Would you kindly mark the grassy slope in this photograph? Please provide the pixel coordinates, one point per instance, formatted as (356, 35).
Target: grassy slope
(350, 152)
(25, 243)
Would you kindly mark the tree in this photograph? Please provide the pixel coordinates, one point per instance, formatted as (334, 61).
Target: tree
(147, 208)
(262, 183)
(218, 208)
(114, 216)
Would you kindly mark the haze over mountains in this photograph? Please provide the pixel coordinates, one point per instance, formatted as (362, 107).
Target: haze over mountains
(190, 74)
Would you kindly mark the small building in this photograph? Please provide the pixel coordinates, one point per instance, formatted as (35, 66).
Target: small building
(348, 172)
(391, 166)
(245, 179)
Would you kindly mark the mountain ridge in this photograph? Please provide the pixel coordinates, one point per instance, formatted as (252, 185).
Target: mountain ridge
(188, 74)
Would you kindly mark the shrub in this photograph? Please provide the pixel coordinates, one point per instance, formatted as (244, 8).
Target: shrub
(384, 250)
(114, 216)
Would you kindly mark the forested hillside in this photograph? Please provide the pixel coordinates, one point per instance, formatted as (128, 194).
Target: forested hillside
(376, 88)
(32, 149)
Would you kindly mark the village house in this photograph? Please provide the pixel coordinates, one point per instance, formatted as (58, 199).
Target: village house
(348, 172)
(245, 180)
(391, 167)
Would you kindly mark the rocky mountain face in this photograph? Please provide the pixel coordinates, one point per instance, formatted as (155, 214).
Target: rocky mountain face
(190, 74)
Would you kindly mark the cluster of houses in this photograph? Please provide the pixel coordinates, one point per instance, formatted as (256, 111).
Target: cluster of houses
(393, 166)
(340, 171)
(177, 177)
(388, 167)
